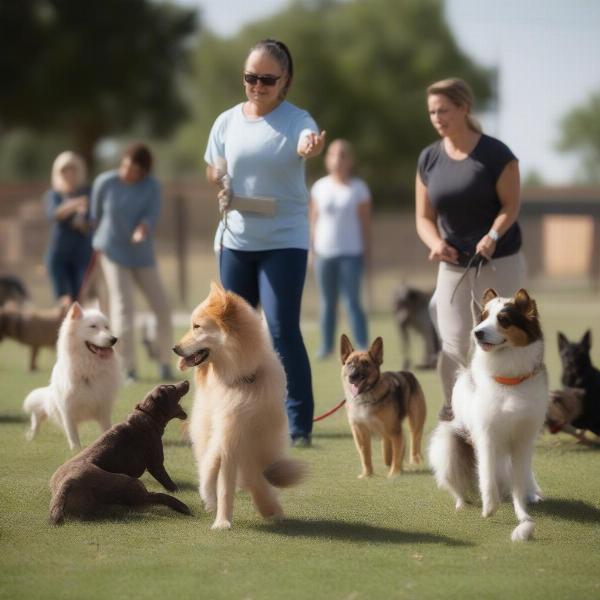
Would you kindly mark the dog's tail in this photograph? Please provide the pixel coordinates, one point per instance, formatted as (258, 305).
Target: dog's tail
(523, 531)
(285, 472)
(453, 461)
(35, 401)
(58, 503)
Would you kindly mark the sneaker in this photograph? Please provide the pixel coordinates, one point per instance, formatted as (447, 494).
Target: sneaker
(302, 441)
(165, 373)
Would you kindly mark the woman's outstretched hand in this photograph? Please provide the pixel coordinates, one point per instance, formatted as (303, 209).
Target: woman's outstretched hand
(312, 144)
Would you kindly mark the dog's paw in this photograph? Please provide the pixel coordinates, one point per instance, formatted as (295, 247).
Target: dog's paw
(29, 435)
(459, 504)
(489, 509)
(535, 497)
(394, 474)
(415, 460)
(365, 475)
(221, 524)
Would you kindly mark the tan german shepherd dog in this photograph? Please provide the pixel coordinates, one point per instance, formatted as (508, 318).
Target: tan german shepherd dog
(377, 403)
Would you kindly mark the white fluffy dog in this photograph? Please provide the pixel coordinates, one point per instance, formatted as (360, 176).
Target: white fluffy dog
(499, 403)
(85, 379)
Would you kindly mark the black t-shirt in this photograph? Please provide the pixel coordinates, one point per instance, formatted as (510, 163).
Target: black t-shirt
(463, 193)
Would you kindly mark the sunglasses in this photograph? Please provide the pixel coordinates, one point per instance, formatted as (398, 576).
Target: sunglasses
(268, 80)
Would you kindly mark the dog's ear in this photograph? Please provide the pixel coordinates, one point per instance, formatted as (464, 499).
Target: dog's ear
(586, 340)
(346, 348)
(562, 341)
(376, 350)
(75, 312)
(476, 311)
(525, 304)
(488, 295)
(216, 288)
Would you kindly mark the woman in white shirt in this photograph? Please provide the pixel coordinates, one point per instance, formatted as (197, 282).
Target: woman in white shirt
(340, 214)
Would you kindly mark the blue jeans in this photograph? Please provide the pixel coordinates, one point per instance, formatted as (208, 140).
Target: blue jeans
(275, 279)
(67, 271)
(335, 274)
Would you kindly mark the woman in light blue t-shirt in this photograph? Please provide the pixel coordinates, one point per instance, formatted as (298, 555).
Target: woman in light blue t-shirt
(257, 149)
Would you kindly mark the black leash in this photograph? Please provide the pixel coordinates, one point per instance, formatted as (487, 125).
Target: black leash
(481, 261)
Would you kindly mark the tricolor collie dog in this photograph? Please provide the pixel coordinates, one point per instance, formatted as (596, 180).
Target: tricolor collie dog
(499, 403)
(85, 379)
(238, 427)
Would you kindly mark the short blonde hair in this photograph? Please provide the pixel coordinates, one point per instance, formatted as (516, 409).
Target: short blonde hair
(68, 159)
(459, 92)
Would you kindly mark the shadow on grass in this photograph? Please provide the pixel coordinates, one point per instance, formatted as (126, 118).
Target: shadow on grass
(570, 510)
(179, 443)
(331, 435)
(13, 418)
(354, 532)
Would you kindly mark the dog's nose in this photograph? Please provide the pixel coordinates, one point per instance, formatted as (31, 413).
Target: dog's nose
(113, 340)
(177, 349)
(479, 334)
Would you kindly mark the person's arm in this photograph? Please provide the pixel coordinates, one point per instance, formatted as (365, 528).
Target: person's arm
(96, 203)
(364, 216)
(508, 188)
(150, 217)
(313, 216)
(427, 229)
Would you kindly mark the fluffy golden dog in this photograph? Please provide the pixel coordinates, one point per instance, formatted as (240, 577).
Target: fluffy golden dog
(238, 427)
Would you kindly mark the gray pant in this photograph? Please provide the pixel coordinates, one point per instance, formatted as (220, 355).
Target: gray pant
(119, 281)
(454, 321)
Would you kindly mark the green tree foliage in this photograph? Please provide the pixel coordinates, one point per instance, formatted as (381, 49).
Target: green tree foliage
(87, 69)
(580, 133)
(361, 71)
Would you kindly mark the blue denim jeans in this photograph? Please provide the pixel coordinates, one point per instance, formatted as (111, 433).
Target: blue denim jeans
(275, 280)
(334, 275)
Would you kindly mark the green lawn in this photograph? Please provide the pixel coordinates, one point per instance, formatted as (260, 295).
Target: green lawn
(344, 538)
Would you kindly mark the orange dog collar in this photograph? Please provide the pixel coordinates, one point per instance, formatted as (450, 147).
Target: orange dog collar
(512, 380)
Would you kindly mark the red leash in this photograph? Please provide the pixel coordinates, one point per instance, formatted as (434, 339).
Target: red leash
(330, 411)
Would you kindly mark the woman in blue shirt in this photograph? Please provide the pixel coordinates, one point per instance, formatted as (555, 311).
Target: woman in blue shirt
(70, 248)
(125, 210)
(264, 142)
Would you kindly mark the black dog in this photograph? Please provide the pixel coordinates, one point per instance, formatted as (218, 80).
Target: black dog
(12, 289)
(578, 372)
(106, 473)
(411, 310)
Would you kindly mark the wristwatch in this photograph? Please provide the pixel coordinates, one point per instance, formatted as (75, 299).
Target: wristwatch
(494, 234)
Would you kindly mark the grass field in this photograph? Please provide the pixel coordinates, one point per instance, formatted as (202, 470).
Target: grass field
(344, 538)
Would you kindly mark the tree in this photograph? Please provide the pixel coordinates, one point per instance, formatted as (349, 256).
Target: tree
(580, 133)
(92, 69)
(361, 71)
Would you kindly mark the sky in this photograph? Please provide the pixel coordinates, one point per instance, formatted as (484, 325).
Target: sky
(547, 53)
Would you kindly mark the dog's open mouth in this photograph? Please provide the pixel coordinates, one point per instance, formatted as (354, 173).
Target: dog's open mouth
(100, 351)
(487, 347)
(356, 387)
(194, 359)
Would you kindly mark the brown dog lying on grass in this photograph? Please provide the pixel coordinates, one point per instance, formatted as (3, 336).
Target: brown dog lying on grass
(34, 328)
(106, 473)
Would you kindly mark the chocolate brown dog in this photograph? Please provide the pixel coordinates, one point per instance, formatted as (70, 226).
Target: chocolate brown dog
(106, 472)
(34, 328)
(377, 403)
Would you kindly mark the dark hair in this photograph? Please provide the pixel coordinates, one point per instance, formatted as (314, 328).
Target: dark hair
(140, 155)
(281, 53)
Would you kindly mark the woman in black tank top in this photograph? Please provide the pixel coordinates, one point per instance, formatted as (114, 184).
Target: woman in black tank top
(467, 203)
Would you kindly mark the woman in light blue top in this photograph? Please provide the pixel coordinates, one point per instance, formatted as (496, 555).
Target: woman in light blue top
(263, 143)
(125, 210)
